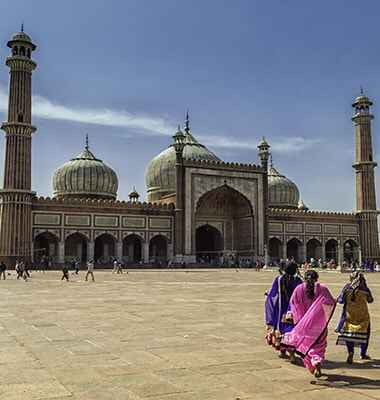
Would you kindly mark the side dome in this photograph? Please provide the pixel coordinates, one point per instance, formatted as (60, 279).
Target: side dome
(282, 192)
(160, 172)
(85, 176)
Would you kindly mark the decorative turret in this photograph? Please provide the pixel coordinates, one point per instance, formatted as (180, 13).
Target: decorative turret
(134, 196)
(264, 152)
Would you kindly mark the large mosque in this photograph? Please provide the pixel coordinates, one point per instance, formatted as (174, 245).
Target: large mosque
(199, 207)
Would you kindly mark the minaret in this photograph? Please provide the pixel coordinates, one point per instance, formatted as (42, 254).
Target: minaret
(16, 196)
(365, 179)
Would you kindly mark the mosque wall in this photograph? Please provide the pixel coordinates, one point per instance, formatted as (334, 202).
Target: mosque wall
(116, 221)
(306, 227)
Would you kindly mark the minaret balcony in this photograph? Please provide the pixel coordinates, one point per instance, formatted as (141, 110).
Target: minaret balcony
(20, 63)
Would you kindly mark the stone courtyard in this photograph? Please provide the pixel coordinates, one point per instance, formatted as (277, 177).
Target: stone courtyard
(162, 335)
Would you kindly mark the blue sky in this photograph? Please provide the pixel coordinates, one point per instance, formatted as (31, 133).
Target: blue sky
(125, 71)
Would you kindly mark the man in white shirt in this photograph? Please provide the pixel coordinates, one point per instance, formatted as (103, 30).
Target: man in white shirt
(90, 270)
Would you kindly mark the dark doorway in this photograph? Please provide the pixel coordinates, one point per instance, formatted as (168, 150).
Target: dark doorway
(132, 249)
(158, 250)
(275, 249)
(45, 245)
(209, 243)
(76, 247)
(104, 251)
(331, 249)
(293, 250)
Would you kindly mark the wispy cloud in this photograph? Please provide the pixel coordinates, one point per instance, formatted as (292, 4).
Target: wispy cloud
(148, 125)
(284, 145)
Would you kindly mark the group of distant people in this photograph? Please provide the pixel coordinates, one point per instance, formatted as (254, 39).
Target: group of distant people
(298, 311)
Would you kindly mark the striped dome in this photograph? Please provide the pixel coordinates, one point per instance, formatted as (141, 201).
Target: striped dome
(283, 193)
(160, 173)
(85, 176)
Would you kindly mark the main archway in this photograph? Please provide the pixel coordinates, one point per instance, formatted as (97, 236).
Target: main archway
(209, 243)
(229, 209)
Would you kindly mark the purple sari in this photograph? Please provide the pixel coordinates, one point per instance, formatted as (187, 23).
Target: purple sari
(311, 316)
(276, 307)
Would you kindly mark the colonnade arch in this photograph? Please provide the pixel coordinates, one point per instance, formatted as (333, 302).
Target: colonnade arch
(158, 249)
(105, 249)
(133, 248)
(76, 246)
(313, 249)
(46, 245)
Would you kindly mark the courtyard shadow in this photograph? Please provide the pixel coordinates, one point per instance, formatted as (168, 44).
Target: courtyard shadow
(345, 382)
(327, 364)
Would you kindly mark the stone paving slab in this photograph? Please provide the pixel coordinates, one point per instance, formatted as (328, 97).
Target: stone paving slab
(162, 335)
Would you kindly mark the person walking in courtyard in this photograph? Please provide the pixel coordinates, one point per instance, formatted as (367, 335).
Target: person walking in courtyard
(115, 266)
(90, 270)
(19, 269)
(77, 266)
(65, 273)
(3, 269)
(277, 306)
(312, 307)
(119, 268)
(354, 326)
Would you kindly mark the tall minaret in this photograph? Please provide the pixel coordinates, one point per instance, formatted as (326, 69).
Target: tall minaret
(16, 196)
(365, 179)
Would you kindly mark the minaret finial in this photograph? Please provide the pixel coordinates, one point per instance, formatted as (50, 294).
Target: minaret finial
(361, 90)
(187, 122)
(86, 147)
(22, 27)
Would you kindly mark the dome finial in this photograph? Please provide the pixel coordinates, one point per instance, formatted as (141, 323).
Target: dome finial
(87, 146)
(22, 27)
(361, 90)
(187, 122)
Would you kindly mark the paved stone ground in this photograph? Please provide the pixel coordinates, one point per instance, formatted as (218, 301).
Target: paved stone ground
(161, 335)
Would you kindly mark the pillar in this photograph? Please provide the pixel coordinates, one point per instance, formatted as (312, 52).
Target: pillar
(90, 250)
(61, 252)
(284, 250)
(146, 252)
(119, 250)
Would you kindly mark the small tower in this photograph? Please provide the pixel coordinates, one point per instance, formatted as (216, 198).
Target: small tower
(134, 196)
(365, 178)
(16, 196)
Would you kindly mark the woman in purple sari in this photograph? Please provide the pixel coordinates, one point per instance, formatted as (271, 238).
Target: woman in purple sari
(312, 307)
(277, 306)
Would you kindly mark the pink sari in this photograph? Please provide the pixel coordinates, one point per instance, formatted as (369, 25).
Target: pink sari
(311, 316)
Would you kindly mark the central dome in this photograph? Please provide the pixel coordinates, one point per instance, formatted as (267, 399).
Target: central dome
(85, 176)
(160, 172)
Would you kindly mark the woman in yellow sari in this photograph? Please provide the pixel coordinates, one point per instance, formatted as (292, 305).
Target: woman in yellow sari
(354, 326)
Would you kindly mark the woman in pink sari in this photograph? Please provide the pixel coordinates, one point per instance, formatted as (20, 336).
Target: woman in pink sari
(312, 307)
